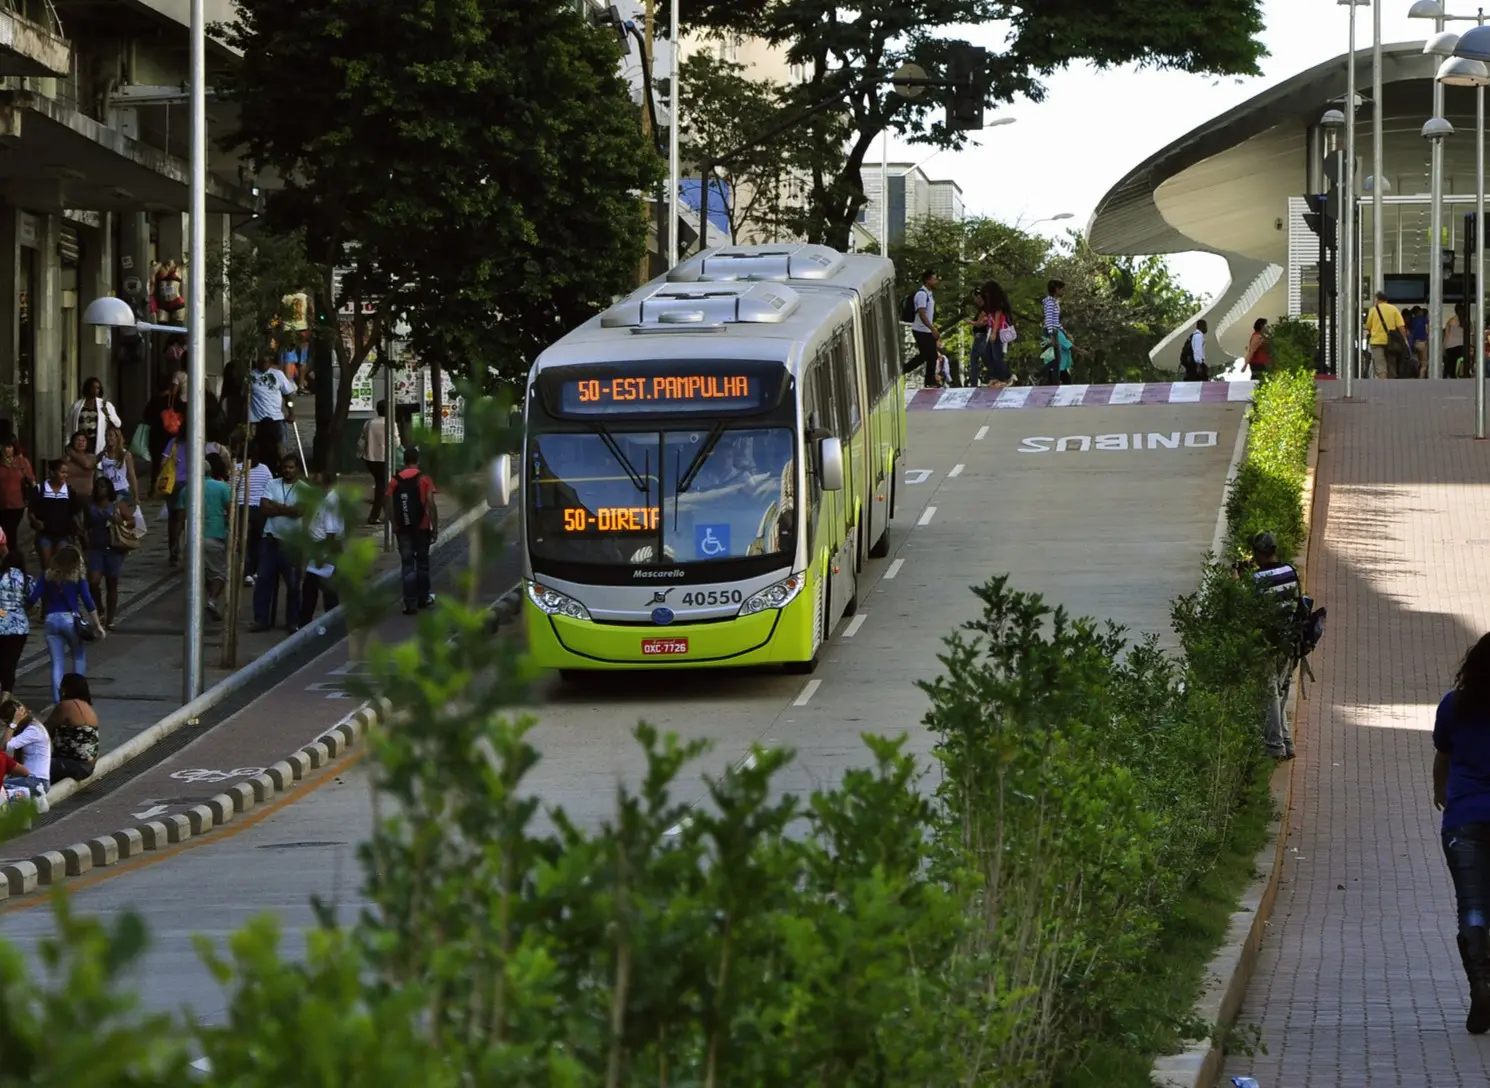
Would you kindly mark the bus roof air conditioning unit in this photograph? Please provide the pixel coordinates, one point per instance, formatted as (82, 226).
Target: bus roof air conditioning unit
(780, 262)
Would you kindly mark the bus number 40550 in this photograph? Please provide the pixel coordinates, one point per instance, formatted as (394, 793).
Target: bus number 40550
(726, 596)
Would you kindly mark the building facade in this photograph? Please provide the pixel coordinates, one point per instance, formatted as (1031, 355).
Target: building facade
(1236, 187)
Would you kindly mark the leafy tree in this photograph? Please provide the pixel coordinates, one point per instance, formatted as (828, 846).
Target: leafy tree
(850, 54)
(725, 110)
(472, 165)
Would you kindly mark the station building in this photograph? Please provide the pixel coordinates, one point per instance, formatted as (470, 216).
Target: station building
(95, 145)
(1236, 187)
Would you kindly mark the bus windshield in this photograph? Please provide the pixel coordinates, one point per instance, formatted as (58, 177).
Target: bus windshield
(661, 497)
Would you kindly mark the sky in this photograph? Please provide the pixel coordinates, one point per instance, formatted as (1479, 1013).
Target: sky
(1103, 124)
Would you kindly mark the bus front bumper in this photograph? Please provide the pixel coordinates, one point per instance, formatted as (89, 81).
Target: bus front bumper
(766, 638)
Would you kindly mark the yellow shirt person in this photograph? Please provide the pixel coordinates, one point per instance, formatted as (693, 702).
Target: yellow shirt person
(1381, 320)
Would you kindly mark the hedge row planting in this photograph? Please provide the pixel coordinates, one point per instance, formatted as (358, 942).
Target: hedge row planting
(1000, 922)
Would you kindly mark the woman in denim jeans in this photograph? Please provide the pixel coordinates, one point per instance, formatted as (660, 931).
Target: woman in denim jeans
(1461, 788)
(64, 596)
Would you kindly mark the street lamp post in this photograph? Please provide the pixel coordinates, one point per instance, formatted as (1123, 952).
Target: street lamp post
(1467, 67)
(196, 362)
(1351, 334)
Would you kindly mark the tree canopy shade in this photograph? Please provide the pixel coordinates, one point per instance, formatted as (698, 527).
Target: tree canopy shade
(475, 164)
(852, 51)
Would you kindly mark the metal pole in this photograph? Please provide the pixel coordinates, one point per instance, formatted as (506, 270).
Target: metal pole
(674, 178)
(1477, 347)
(390, 431)
(885, 193)
(1435, 245)
(1350, 339)
(196, 360)
(1378, 160)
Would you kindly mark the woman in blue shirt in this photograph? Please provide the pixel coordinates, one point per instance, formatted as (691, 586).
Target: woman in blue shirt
(64, 596)
(1461, 788)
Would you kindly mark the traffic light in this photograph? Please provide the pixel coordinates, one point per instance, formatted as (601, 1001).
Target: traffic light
(967, 72)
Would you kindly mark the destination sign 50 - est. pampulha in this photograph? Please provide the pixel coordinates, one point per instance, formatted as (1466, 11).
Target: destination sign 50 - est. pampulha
(665, 392)
(611, 519)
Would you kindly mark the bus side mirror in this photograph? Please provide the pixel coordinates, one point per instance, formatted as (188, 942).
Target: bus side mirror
(830, 462)
(499, 485)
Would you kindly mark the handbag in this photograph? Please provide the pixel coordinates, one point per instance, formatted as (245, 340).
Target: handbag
(123, 535)
(139, 445)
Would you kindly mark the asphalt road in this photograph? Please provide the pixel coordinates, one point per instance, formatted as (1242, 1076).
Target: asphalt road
(1110, 532)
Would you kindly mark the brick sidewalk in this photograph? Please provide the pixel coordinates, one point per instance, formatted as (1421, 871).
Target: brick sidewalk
(1358, 982)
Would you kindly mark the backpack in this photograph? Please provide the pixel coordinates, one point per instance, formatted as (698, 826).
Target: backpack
(908, 308)
(408, 502)
(1310, 621)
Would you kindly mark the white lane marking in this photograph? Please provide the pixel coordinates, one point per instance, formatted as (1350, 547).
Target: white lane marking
(1185, 392)
(956, 472)
(955, 398)
(926, 516)
(854, 624)
(808, 692)
(1068, 396)
(1218, 538)
(1014, 397)
(894, 569)
(1240, 390)
(982, 434)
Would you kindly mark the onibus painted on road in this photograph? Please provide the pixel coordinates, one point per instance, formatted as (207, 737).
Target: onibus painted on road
(708, 463)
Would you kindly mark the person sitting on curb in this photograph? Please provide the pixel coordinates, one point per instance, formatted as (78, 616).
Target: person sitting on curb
(25, 739)
(73, 724)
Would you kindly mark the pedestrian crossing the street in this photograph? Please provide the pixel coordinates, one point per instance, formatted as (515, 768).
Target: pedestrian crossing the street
(1079, 396)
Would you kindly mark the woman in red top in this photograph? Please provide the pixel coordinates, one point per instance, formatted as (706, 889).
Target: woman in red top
(17, 478)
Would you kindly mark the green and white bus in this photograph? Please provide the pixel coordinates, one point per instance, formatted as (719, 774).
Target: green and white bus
(708, 464)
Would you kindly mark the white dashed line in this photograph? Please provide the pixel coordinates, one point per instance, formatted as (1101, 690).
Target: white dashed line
(926, 516)
(894, 569)
(854, 624)
(956, 471)
(982, 434)
(808, 692)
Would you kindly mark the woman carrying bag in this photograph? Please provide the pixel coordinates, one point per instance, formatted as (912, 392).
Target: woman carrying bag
(93, 415)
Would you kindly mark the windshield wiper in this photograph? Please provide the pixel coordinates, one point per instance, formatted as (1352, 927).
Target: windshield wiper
(640, 482)
(700, 457)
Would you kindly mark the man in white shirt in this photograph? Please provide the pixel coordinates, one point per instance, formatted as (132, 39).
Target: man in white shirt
(923, 328)
(1192, 358)
(268, 387)
(327, 528)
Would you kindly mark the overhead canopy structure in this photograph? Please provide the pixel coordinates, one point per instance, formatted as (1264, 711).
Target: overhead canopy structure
(1225, 187)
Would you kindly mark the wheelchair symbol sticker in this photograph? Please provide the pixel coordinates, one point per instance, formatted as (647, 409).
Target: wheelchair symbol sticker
(711, 541)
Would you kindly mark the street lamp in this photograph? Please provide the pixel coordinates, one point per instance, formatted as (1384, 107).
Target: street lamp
(1351, 296)
(1467, 67)
(1436, 131)
(115, 313)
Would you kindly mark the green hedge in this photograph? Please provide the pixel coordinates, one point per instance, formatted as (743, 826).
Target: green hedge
(1040, 918)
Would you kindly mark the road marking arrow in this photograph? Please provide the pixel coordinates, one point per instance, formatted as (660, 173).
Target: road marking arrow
(154, 810)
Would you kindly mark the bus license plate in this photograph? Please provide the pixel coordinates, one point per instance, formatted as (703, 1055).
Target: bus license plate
(664, 647)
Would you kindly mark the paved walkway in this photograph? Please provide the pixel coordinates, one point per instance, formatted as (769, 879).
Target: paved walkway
(1359, 982)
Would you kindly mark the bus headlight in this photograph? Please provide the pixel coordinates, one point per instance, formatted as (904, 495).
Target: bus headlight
(779, 595)
(555, 603)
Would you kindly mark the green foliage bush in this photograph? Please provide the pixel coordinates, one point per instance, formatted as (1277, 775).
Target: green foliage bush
(1267, 493)
(1014, 925)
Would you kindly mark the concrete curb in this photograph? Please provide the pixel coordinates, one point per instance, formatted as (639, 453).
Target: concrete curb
(1230, 969)
(210, 698)
(53, 867)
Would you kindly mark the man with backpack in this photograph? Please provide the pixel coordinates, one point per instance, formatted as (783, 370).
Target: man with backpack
(1192, 355)
(411, 507)
(919, 312)
(1299, 632)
